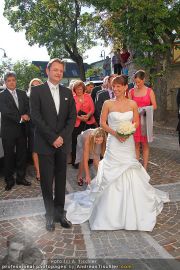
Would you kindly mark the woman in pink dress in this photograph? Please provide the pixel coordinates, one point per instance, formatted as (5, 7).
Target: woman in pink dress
(144, 96)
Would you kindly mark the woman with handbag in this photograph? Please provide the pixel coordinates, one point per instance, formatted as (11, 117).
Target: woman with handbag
(85, 114)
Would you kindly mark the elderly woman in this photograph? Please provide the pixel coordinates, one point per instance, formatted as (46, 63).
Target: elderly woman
(85, 118)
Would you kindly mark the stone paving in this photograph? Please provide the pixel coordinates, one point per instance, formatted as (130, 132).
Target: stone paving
(22, 211)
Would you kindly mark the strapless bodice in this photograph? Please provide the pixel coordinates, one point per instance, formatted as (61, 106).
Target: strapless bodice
(115, 118)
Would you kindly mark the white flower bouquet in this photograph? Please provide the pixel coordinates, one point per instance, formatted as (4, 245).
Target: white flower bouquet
(126, 129)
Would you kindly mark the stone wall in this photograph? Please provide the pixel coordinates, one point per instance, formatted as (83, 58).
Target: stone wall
(173, 83)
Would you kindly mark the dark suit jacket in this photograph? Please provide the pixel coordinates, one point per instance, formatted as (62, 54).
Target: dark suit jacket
(103, 96)
(11, 115)
(94, 92)
(48, 125)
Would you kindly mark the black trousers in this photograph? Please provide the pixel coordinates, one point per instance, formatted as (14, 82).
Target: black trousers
(117, 69)
(15, 153)
(53, 168)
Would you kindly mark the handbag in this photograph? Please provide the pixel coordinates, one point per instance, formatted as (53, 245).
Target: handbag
(81, 113)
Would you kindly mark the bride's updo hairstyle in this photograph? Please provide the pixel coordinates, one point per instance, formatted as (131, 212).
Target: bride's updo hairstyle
(140, 74)
(121, 79)
(97, 133)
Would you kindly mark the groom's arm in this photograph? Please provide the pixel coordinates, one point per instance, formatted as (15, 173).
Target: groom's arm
(71, 119)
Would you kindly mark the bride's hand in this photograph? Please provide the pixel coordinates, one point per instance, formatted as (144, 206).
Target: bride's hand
(88, 180)
(122, 139)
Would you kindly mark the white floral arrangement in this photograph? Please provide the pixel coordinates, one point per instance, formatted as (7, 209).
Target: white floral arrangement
(126, 129)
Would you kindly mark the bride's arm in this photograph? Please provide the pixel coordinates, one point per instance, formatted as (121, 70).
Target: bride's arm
(103, 119)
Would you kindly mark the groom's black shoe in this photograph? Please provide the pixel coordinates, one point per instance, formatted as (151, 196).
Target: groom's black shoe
(61, 218)
(65, 223)
(50, 226)
(9, 186)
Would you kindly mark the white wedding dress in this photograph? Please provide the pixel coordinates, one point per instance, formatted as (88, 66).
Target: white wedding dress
(120, 196)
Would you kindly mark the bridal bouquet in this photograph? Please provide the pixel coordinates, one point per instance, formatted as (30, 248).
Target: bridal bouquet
(125, 129)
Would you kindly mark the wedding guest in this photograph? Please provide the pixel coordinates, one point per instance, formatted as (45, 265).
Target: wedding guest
(107, 66)
(125, 55)
(116, 62)
(99, 88)
(91, 144)
(85, 114)
(53, 113)
(144, 96)
(14, 108)
(89, 87)
(102, 96)
(71, 84)
(178, 105)
(33, 82)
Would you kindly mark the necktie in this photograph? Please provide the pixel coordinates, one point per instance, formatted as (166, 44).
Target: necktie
(55, 94)
(15, 98)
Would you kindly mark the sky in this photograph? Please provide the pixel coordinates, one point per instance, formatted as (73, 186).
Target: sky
(17, 48)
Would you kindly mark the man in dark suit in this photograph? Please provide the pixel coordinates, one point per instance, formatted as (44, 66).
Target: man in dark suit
(103, 95)
(94, 92)
(53, 113)
(14, 108)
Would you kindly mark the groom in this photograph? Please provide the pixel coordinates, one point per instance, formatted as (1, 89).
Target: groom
(53, 113)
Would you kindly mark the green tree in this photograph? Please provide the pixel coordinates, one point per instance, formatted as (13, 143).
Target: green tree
(149, 28)
(24, 70)
(5, 66)
(93, 72)
(64, 27)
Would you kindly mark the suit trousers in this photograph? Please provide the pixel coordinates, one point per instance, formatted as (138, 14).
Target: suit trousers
(117, 69)
(15, 154)
(53, 169)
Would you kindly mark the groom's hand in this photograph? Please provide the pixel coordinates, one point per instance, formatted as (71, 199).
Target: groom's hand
(58, 142)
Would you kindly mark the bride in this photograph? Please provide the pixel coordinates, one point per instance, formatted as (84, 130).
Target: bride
(120, 196)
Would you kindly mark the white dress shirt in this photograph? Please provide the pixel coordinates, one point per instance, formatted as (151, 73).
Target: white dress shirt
(15, 97)
(55, 94)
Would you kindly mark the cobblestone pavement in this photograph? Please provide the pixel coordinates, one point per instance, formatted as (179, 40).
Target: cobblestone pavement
(22, 211)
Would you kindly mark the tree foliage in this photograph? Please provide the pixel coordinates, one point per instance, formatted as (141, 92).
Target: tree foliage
(64, 27)
(24, 70)
(25, 73)
(95, 71)
(149, 29)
